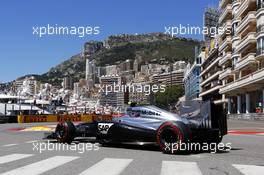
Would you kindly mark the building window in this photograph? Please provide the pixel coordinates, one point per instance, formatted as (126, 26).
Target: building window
(234, 61)
(234, 28)
(260, 46)
(260, 4)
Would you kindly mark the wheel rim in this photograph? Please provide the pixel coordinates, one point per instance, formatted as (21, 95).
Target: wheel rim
(169, 136)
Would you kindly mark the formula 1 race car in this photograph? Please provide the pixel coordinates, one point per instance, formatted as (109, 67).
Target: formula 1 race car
(197, 121)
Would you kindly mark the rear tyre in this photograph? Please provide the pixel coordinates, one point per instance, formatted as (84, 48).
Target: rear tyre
(65, 132)
(171, 135)
(214, 137)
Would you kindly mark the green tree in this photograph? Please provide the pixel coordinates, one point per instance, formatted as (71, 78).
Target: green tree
(169, 97)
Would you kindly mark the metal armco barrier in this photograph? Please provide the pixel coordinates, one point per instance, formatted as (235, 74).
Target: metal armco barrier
(61, 118)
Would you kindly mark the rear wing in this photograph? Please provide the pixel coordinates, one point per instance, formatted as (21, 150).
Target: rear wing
(205, 115)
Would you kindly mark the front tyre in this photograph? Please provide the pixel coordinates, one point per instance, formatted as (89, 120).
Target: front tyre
(65, 132)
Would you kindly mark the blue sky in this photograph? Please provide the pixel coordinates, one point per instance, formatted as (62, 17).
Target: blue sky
(23, 53)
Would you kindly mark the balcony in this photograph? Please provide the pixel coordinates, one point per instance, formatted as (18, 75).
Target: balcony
(212, 65)
(247, 41)
(250, 81)
(223, 3)
(248, 22)
(246, 61)
(209, 91)
(235, 3)
(226, 13)
(225, 58)
(227, 26)
(245, 6)
(212, 77)
(225, 73)
(260, 31)
(225, 43)
(260, 54)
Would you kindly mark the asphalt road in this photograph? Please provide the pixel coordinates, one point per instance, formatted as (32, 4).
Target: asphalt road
(20, 154)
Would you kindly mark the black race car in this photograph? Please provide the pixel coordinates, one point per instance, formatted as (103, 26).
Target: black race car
(197, 122)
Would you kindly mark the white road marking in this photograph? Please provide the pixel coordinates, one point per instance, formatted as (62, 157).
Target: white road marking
(8, 145)
(180, 168)
(108, 166)
(13, 157)
(196, 156)
(41, 166)
(261, 134)
(32, 141)
(249, 169)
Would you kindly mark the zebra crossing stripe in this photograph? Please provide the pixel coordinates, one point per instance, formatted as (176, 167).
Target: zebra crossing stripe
(13, 157)
(108, 166)
(41, 166)
(14, 144)
(32, 141)
(249, 169)
(180, 168)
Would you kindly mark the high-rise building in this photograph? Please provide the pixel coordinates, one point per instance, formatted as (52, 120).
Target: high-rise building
(136, 65)
(91, 71)
(192, 77)
(67, 83)
(28, 86)
(141, 97)
(77, 89)
(113, 92)
(242, 56)
(211, 16)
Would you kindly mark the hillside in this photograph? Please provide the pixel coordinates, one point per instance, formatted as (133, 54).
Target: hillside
(117, 48)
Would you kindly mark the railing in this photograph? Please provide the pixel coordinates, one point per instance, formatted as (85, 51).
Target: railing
(248, 37)
(245, 20)
(247, 78)
(260, 28)
(245, 60)
(225, 12)
(225, 43)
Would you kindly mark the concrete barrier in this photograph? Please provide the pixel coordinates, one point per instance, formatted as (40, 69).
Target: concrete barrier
(61, 118)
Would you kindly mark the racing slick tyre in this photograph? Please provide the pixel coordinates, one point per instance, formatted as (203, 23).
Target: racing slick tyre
(65, 132)
(216, 139)
(170, 136)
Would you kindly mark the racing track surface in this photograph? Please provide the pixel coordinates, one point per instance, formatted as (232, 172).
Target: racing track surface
(18, 157)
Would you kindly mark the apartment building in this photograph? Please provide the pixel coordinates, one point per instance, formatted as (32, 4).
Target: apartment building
(67, 83)
(242, 56)
(210, 71)
(169, 78)
(115, 95)
(27, 86)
